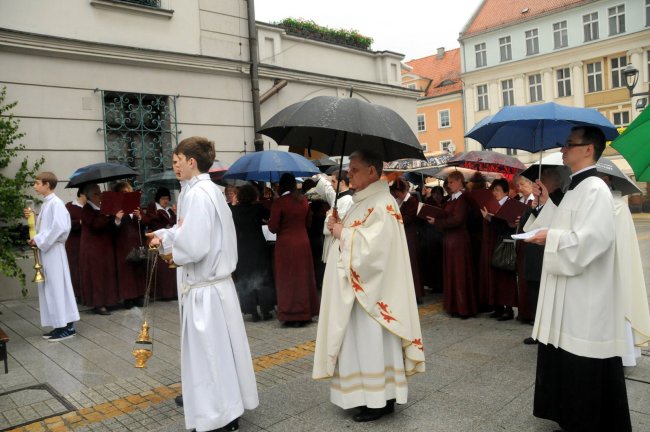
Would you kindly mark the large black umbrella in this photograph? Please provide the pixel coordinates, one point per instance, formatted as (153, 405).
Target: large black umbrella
(339, 126)
(164, 179)
(100, 173)
(325, 163)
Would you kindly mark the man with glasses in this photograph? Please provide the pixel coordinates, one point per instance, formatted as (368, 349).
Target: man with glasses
(580, 319)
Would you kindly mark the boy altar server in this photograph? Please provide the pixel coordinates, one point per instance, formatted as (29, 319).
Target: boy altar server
(56, 299)
(216, 366)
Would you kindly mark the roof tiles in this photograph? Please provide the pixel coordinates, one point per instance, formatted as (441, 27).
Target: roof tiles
(498, 13)
(439, 70)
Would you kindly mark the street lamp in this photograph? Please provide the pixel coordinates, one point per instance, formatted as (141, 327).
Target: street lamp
(631, 75)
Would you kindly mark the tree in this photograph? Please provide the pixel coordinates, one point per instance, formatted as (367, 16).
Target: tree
(12, 191)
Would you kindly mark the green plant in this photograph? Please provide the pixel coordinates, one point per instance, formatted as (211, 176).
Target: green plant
(310, 29)
(12, 191)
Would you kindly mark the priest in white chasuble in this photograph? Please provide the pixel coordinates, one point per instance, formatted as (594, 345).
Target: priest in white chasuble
(580, 321)
(217, 374)
(369, 337)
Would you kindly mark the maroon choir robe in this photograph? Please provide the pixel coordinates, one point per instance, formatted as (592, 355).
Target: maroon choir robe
(409, 211)
(500, 286)
(458, 283)
(72, 245)
(97, 259)
(293, 267)
(155, 219)
(131, 279)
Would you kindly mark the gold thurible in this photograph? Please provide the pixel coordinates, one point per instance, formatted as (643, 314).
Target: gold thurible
(143, 351)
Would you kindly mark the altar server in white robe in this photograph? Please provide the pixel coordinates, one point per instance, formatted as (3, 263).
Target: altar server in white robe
(369, 337)
(580, 320)
(217, 374)
(327, 189)
(57, 303)
(629, 276)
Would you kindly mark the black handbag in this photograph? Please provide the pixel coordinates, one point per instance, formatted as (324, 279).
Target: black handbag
(505, 255)
(138, 254)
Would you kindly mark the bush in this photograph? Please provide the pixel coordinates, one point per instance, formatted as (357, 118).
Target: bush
(311, 30)
(12, 191)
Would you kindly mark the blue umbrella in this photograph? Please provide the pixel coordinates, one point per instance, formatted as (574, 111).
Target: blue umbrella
(535, 128)
(269, 165)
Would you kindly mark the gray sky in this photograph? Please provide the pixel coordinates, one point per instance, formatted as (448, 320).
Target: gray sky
(415, 29)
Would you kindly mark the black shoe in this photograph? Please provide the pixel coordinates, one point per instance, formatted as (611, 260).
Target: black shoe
(266, 316)
(102, 311)
(255, 317)
(232, 426)
(49, 334)
(366, 414)
(530, 341)
(179, 400)
(496, 314)
(128, 304)
(506, 316)
(139, 302)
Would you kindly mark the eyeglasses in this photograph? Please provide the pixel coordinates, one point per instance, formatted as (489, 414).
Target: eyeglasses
(569, 145)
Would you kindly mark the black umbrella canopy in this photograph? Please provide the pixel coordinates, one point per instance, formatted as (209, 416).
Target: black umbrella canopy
(100, 173)
(339, 126)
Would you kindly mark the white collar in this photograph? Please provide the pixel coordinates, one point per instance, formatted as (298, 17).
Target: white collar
(583, 170)
(159, 207)
(503, 200)
(286, 193)
(92, 204)
(456, 195)
(530, 197)
(77, 203)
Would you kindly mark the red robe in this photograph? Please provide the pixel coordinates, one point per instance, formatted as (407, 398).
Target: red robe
(154, 220)
(97, 259)
(131, 278)
(458, 283)
(72, 245)
(500, 286)
(295, 283)
(409, 211)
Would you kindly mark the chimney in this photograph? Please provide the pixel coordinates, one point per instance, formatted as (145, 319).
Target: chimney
(441, 53)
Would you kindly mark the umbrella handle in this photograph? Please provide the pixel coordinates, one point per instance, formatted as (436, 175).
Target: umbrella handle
(335, 214)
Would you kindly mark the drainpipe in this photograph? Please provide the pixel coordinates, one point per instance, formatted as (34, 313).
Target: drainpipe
(277, 86)
(255, 82)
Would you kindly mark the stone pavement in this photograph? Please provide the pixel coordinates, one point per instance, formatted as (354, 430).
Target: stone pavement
(479, 377)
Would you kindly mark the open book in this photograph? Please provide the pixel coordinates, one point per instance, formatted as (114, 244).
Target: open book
(426, 210)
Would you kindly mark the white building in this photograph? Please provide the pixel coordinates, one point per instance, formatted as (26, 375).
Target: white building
(125, 80)
(568, 51)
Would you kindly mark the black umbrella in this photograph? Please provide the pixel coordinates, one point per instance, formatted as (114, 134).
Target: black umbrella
(100, 173)
(339, 126)
(164, 179)
(325, 163)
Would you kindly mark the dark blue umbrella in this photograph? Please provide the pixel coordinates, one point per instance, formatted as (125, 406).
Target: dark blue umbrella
(535, 128)
(269, 165)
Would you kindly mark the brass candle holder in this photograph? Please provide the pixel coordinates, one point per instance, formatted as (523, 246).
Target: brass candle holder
(144, 345)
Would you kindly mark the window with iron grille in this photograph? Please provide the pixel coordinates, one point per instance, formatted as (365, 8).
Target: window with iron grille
(594, 77)
(505, 48)
(482, 95)
(616, 17)
(563, 82)
(140, 132)
(422, 126)
(535, 87)
(507, 92)
(444, 120)
(590, 26)
(481, 55)
(621, 119)
(532, 42)
(618, 64)
(150, 3)
(560, 35)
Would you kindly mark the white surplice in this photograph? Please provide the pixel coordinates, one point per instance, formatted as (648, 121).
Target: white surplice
(580, 307)
(56, 300)
(630, 279)
(216, 367)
